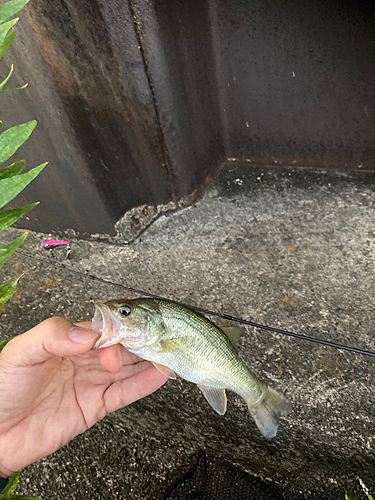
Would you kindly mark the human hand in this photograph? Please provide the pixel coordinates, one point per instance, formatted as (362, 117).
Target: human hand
(54, 387)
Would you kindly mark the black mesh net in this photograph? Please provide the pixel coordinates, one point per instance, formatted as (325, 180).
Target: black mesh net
(209, 478)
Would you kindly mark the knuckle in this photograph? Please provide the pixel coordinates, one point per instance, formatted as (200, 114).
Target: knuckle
(123, 397)
(54, 322)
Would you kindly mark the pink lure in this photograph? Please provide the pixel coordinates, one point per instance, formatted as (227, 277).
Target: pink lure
(53, 243)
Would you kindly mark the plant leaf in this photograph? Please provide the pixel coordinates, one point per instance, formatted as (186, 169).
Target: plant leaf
(12, 90)
(4, 29)
(9, 217)
(349, 495)
(8, 40)
(4, 343)
(22, 497)
(9, 188)
(14, 169)
(7, 250)
(8, 491)
(13, 138)
(7, 78)
(8, 9)
(12, 484)
(6, 292)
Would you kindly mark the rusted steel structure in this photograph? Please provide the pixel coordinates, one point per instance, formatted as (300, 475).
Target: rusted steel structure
(140, 102)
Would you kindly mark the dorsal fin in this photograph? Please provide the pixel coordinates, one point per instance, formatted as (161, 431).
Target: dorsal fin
(233, 333)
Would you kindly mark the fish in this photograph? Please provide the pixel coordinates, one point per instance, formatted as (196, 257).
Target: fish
(182, 342)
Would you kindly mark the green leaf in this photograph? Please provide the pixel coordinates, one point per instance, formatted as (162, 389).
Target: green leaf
(349, 496)
(4, 29)
(6, 292)
(7, 78)
(9, 217)
(13, 90)
(12, 484)
(8, 491)
(4, 343)
(8, 9)
(22, 497)
(9, 188)
(7, 250)
(13, 138)
(14, 169)
(8, 40)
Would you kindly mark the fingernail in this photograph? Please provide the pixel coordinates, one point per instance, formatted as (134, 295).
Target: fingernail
(81, 335)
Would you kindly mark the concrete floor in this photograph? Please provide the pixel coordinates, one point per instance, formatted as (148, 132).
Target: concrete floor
(286, 247)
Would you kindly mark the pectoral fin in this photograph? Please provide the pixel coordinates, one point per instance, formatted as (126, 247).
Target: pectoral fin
(180, 344)
(165, 370)
(216, 397)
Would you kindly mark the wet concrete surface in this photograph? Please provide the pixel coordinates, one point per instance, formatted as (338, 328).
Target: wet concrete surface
(286, 247)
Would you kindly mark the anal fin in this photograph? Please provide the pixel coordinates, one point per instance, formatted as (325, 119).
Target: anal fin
(216, 397)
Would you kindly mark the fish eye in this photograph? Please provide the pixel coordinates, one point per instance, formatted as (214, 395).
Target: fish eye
(125, 310)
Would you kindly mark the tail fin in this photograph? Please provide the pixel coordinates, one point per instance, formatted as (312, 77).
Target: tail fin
(267, 412)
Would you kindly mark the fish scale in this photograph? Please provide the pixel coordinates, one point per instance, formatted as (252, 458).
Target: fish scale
(222, 368)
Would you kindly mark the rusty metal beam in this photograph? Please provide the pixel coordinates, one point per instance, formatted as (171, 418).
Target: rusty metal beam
(139, 102)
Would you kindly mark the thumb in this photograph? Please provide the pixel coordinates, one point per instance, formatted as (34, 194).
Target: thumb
(53, 337)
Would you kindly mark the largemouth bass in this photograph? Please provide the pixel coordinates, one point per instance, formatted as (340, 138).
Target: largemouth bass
(180, 341)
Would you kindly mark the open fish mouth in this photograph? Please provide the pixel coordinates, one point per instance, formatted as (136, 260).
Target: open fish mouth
(107, 325)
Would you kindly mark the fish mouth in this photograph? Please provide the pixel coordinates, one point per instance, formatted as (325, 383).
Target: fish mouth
(107, 325)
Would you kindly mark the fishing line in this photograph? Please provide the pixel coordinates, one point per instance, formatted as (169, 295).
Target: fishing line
(200, 309)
